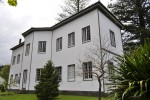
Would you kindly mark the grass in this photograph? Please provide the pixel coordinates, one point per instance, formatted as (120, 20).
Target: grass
(33, 97)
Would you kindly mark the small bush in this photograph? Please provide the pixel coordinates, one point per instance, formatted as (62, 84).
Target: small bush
(47, 88)
(2, 88)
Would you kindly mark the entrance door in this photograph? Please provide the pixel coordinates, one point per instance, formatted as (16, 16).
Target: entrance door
(24, 79)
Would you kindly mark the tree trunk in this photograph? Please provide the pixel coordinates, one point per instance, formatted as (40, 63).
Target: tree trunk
(99, 91)
(78, 9)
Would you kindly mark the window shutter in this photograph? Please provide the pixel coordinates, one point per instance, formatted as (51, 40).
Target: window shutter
(73, 38)
(88, 33)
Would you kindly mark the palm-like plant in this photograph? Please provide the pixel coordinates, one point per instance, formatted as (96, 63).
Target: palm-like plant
(133, 74)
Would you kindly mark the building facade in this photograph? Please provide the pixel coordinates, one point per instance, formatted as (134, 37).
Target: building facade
(65, 43)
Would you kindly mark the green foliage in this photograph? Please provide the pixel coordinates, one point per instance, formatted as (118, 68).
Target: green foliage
(4, 73)
(2, 88)
(48, 85)
(135, 15)
(12, 2)
(133, 74)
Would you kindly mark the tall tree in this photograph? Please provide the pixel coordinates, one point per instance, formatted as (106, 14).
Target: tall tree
(71, 7)
(135, 14)
(4, 73)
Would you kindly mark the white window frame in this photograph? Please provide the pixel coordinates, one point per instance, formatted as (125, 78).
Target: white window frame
(71, 73)
(27, 49)
(87, 71)
(13, 60)
(18, 58)
(86, 34)
(59, 69)
(42, 47)
(71, 39)
(38, 74)
(11, 79)
(59, 44)
(112, 39)
(16, 79)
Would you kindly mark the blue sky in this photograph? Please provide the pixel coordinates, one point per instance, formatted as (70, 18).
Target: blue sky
(28, 13)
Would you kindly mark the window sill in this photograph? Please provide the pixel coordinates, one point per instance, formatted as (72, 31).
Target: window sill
(89, 79)
(71, 46)
(86, 41)
(41, 52)
(58, 50)
(71, 80)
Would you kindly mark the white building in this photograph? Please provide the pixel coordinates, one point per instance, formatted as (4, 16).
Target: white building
(64, 43)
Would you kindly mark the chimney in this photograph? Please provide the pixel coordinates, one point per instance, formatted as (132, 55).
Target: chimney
(19, 41)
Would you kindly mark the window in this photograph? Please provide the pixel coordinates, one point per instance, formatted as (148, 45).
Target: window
(42, 46)
(16, 79)
(14, 59)
(59, 44)
(110, 68)
(27, 49)
(59, 70)
(71, 39)
(11, 79)
(87, 70)
(18, 59)
(19, 77)
(38, 74)
(25, 76)
(112, 38)
(86, 37)
(71, 73)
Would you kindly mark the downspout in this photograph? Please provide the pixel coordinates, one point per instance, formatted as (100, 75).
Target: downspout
(51, 45)
(31, 61)
(21, 68)
(100, 44)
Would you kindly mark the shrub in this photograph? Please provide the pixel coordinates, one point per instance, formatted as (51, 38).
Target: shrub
(48, 85)
(2, 88)
(133, 74)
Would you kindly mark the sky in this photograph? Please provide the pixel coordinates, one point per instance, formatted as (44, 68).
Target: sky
(28, 13)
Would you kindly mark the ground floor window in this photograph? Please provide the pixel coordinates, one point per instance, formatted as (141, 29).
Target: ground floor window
(59, 70)
(71, 73)
(87, 71)
(38, 74)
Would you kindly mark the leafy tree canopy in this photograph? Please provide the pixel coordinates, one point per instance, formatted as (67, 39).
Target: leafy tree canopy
(12, 2)
(4, 73)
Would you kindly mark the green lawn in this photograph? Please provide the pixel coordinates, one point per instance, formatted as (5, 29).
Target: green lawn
(33, 97)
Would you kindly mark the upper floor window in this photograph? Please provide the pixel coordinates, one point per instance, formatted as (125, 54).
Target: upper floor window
(71, 73)
(86, 37)
(38, 74)
(27, 49)
(14, 59)
(71, 39)
(59, 70)
(112, 38)
(87, 71)
(59, 44)
(18, 59)
(42, 46)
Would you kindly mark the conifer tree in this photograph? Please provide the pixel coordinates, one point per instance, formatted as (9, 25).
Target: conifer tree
(48, 85)
(135, 15)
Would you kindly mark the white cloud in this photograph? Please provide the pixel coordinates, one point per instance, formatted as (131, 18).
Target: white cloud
(28, 13)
